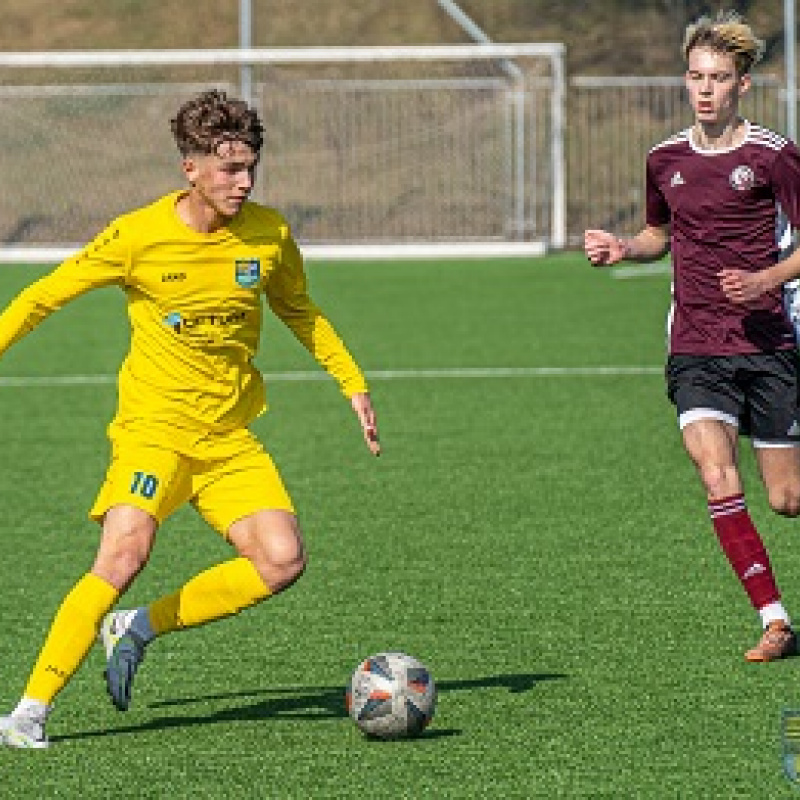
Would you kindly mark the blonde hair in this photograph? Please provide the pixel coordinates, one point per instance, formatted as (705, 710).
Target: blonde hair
(726, 33)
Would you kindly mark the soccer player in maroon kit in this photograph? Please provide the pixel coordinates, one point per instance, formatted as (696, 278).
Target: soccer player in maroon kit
(717, 196)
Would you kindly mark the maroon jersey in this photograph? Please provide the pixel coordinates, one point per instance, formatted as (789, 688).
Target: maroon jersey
(725, 209)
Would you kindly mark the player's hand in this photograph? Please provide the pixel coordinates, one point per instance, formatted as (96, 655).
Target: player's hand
(739, 286)
(362, 405)
(603, 248)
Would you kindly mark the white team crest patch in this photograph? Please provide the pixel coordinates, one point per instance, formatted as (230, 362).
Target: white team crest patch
(742, 178)
(248, 271)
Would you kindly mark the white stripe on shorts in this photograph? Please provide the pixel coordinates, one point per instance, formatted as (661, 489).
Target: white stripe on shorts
(697, 414)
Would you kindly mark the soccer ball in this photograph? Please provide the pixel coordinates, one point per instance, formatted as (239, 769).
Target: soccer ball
(391, 696)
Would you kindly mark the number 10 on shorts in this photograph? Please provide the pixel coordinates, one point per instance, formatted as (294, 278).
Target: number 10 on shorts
(144, 484)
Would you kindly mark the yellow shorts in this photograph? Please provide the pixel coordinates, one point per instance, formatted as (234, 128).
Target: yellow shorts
(223, 488)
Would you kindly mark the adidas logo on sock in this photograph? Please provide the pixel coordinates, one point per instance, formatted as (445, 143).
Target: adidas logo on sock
(756, 569)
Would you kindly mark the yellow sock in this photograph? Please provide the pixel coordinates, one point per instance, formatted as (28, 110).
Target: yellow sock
(71, 635)
(217, 592)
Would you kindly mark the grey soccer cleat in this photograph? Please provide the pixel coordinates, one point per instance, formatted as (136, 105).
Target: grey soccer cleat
(124, 652)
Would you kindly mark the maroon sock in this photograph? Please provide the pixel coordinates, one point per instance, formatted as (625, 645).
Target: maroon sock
(745, 551)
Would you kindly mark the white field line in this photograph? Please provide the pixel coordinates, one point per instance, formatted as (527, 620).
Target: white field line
(642, 270)
(374, 375)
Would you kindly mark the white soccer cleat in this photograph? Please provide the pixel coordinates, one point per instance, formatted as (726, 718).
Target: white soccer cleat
(114, 626)
(23, 732)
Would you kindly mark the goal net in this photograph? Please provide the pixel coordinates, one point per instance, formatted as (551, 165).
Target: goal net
(368, 150)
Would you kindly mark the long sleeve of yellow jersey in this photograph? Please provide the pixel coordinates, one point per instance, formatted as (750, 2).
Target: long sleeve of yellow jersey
(287, 294)
(103, 262)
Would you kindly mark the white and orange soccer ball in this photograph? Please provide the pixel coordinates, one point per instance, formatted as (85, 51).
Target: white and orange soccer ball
(391, 696)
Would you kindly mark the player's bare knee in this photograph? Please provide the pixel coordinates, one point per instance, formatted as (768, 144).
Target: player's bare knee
(282, 562)
(785, 500)
(119, 566)
(131, 562)
(124, 547)
(290, 572)
(718, 480)
(272, 541)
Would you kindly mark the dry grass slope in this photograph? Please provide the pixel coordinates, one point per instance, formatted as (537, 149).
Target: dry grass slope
(318, 168)
(605, 37)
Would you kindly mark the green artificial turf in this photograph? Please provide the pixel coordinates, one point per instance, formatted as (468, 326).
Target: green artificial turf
(533, 532)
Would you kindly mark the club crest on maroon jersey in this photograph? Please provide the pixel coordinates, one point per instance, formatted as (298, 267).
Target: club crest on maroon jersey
(742, 178)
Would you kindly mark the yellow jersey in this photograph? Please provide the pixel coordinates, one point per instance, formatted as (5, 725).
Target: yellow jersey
(195, 310)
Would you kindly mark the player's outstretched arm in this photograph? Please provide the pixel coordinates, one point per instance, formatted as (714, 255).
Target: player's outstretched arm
(603, 248)
(101, 263)
(362, 405)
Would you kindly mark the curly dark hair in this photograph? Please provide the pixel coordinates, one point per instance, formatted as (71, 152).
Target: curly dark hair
(210, 119)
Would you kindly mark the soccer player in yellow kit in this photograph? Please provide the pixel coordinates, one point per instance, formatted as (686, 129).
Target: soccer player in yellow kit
(194, 266)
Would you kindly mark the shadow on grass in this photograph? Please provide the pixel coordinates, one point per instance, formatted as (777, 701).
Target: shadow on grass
(299, 702)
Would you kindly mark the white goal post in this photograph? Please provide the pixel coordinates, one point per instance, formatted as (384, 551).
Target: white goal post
(419, 151)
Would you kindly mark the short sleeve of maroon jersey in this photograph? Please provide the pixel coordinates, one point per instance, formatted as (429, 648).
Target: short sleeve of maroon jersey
(657, 212)
(786, 181)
